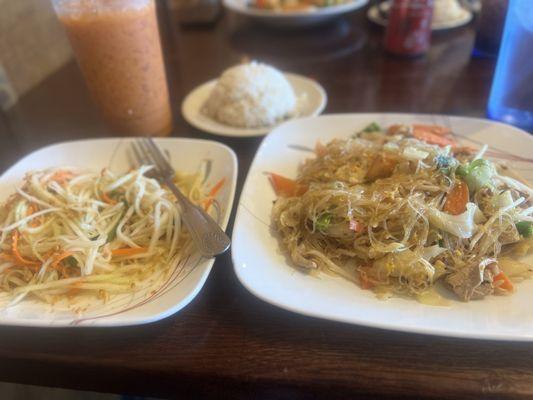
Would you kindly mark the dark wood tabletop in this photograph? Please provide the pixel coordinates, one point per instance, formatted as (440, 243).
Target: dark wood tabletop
(227, 343)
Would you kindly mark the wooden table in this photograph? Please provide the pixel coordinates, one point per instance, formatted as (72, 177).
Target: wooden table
(227, 343)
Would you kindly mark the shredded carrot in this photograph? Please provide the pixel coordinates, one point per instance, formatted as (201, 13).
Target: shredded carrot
(286, 187)
(213, 192)
(60, 257)
(16, 254)
(128, 251)
(62, 176)
(108, 199)
(457, 199)
(506, 283)
(7, 257)
(32, 209)
(73, 291)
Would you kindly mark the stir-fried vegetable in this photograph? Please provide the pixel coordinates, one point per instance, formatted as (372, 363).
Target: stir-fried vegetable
(286, 187)
(457, 199)
(477, 174)
(462, 225)
(396, 212)
(525, 228)
(323, 221)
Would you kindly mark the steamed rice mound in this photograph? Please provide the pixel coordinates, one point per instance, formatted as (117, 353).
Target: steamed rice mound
(251, 95)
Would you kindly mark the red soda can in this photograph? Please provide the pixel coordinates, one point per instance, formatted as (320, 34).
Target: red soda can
(409, 27)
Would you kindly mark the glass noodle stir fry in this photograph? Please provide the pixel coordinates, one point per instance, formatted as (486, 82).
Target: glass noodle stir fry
(401, 209)
(68, 232)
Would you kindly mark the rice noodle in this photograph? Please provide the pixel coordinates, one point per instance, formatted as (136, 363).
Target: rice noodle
(370, 211)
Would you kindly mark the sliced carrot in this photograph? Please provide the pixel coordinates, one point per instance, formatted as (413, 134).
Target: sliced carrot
(213, 192)
(438, 130)
(356, 226)
(15, 250)
(286, 187)
(128, 251)
(456, 199)
(506, 283)
(432, 138)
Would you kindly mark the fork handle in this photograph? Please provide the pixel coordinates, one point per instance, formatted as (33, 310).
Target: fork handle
(206, 233)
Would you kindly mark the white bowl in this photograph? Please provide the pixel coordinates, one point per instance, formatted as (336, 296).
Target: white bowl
(143, 306)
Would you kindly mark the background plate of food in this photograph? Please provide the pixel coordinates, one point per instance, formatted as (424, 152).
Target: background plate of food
(252, 99)
(400, 221)
(88, 238)
(447, 14)
(293, 13)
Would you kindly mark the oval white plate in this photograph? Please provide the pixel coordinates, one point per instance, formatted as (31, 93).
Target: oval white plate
(311, 93)
(465, 17)
(263, 269)
(296, 18)
(143, 306)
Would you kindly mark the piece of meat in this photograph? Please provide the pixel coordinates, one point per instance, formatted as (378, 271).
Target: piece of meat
(382, 166)
(471, 282)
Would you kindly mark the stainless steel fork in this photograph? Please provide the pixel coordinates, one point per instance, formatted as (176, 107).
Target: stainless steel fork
(205, 232)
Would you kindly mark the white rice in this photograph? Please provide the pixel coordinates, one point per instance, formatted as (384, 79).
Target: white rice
(251, 96)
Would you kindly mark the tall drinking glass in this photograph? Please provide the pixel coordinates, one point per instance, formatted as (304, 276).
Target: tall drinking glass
(117, 46)
(511, 95)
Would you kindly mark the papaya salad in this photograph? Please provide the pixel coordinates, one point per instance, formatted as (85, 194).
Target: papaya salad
(401, 209)
(67, 232)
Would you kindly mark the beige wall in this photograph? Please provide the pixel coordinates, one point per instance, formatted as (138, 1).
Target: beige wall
(32, 45)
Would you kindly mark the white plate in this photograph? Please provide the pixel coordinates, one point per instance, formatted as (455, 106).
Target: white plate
(141, 307)
(297, 18)
(462, 19)
(264, 271)
(312, 96)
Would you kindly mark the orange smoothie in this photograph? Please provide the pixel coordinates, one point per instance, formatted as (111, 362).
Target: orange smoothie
(119, 52)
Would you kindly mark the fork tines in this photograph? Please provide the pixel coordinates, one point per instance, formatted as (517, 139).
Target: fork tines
(147, 152)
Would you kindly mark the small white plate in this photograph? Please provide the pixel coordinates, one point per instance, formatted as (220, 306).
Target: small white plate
(293, 18)
(310, 93)
(263, 269)
(464, 18)
(143, 306)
